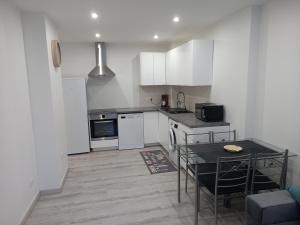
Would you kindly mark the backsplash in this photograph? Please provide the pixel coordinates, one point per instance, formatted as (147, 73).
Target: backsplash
(101, 95)
(193, 95)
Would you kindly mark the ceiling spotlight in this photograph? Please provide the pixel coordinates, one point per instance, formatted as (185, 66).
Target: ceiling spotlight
(94, 15)
(155, 36)
(176, 19)
(97, 35)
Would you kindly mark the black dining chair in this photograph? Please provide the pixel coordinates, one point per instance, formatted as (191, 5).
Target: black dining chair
(231, 180)
(225, 136)
(190, 139)
(269, 171)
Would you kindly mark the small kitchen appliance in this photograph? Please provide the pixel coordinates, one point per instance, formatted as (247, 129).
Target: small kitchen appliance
(209, 112)
(165, 101)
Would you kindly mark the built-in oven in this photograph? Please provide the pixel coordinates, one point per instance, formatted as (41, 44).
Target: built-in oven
(103, 126)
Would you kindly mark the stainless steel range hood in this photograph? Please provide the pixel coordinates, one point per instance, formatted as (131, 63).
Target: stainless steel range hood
(101, 70)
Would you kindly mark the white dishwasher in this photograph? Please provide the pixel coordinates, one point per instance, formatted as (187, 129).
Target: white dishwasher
(131, 131)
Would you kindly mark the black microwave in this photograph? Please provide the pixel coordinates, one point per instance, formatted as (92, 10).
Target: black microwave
(209, 112)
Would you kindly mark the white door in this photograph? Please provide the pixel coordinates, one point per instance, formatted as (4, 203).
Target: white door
(185, 67)
(202, 62)
(76, 115)
(146, 68)
(163, 124)
(172, 67)
(159, 68)
(131, 131)
(150, 127)
(190, 64)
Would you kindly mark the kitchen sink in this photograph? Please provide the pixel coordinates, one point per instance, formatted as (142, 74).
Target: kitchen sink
(177, 110)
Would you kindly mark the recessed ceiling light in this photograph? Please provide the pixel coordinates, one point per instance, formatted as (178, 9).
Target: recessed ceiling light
(155, 36)
(176, 19)
(94, 15)
(97, 35)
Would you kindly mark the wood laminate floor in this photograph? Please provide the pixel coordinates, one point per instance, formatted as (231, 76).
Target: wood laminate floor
(116, 188)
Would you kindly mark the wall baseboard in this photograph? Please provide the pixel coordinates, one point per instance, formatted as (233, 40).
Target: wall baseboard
(56, 190)
(30, 209)
(45, 192)
(152, 144)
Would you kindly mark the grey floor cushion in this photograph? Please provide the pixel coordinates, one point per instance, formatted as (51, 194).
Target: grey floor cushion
(273, 207)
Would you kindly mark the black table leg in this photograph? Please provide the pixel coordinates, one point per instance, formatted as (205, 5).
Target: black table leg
(178, 163)
(227, 201)
(196, 195)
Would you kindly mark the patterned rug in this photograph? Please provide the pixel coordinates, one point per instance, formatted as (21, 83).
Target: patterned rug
(157, 162)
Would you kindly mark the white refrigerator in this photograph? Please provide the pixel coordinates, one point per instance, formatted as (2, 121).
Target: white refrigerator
(76, 114)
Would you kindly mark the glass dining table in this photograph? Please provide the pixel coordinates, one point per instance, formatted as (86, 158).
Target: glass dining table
(208, 154)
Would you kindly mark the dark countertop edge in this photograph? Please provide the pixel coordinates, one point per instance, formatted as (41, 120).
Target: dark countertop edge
(125, 110)
(212, 124)
(120, 111)
(157, 109)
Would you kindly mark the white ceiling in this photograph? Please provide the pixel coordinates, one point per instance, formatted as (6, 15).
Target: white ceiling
(132, 20)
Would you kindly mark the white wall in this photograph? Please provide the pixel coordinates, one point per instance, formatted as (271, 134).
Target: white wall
(46, 101)
(19, 183)
(121, 91)
(57, 102)
(230, 69)
(257, 74)
(278, 108)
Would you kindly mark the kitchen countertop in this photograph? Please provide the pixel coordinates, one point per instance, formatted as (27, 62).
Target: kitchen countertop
(187, 119)
(125, 110)
(191, 121)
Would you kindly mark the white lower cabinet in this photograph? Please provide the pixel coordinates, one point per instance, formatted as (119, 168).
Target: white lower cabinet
(157, 130)
(150, 128)
(163, 127)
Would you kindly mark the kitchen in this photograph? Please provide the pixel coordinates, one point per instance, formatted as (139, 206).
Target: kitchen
(117, 105)
(136, 127)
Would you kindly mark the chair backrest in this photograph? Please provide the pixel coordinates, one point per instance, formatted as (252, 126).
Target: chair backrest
(269, 171)
(197, 138)
(226, 136)
(232, 174)
(193, 139)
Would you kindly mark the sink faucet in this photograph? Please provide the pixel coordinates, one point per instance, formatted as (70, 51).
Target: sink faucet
(181, 100)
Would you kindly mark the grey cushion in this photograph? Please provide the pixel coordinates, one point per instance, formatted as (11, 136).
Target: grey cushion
(289, 223)
(273, 208)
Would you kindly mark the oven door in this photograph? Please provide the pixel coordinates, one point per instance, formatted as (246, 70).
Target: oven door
(104, 129)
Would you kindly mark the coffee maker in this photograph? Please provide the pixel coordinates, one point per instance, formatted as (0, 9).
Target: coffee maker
(164, 101)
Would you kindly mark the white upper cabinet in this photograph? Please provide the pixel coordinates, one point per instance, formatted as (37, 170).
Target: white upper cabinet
(172, 67)
(190, 64)
(146, 68)
(152, 68)
(159, 68)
